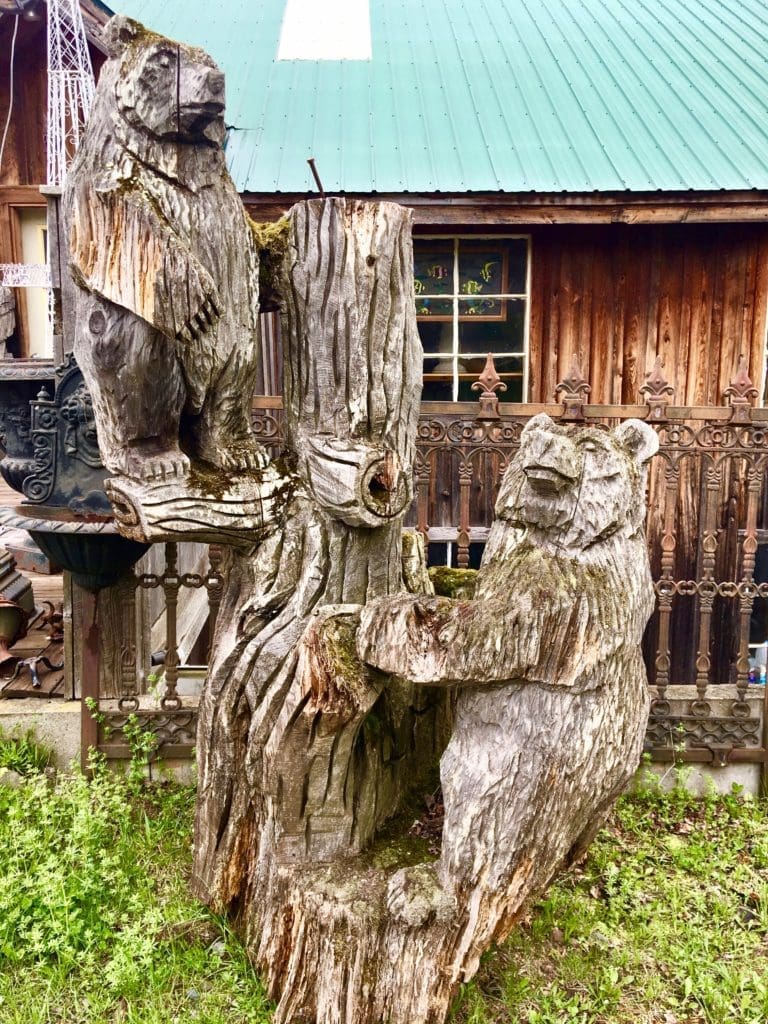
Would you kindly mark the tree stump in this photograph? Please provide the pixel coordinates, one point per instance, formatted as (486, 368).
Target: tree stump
(304, 751)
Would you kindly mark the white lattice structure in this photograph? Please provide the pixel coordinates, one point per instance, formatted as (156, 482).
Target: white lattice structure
(25, 275)
(70, 85)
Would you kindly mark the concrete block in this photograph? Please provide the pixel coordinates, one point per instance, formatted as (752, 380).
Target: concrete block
(56, 723)
(702, 779)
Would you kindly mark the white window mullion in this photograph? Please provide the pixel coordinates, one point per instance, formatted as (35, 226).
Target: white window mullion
(455, 321)
(527, 320)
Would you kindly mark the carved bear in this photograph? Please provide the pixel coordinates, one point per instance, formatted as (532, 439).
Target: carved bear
(552, 701)
(165, 264)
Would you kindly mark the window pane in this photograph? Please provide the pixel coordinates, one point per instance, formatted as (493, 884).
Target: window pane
(433, 267)
(434, 309)
(492, 266)
(436, 336)
(438, 380)
(502, 333)
(510, 369)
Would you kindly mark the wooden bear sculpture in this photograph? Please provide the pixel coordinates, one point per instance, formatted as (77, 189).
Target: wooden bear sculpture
(552, 700)
(165, 264)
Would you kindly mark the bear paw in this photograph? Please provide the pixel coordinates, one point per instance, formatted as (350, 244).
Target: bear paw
(237, 456)
(152, 467)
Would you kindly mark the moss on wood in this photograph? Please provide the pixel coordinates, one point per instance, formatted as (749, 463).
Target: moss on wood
(459, 583)
(271, 238)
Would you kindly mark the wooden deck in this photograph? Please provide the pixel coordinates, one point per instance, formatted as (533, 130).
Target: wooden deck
(48, 591)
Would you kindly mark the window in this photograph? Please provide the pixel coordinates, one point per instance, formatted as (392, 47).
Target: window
(472, 299)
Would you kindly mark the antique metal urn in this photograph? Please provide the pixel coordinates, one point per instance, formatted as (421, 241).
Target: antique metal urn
(61, 480)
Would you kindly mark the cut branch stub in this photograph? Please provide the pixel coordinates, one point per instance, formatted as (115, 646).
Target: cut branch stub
(210, 508)
(573, 390)
(351, 412)
(657, 391)
(740, 394)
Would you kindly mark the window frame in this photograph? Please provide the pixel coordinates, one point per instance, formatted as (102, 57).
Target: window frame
(15, 200)
(456, 297)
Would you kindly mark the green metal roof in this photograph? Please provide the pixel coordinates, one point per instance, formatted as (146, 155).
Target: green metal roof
(495, 95)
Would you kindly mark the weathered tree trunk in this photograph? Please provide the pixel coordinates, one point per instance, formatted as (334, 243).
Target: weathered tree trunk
(307, 751)
(303, 751)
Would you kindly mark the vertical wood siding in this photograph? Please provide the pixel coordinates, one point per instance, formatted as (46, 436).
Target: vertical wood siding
(615, 297)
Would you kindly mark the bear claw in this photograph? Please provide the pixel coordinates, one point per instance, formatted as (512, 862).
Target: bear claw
(151, 468)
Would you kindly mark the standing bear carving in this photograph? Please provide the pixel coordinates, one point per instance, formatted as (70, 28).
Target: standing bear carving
(552, 700)
(165, 263)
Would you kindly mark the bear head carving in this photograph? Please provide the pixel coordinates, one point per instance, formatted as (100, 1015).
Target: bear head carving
(577, 486)
(169, 90)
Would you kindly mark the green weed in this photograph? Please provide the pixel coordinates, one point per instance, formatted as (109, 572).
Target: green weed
(21, 752)
(666, 923)
(96, 923)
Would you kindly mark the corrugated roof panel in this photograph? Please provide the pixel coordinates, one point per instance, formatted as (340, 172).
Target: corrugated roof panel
(495, 95)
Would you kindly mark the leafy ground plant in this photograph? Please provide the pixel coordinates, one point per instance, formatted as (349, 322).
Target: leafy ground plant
(21, 752)
(666, 923)
(96, 924)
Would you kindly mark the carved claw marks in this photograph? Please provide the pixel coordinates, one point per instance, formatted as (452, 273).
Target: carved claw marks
(201, 322)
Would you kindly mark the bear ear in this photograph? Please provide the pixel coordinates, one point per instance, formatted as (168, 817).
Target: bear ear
(539, 422)
(119, 33)
(640, 440)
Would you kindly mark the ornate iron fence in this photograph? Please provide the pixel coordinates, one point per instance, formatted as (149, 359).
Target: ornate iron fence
(111, 727)
(707, 520)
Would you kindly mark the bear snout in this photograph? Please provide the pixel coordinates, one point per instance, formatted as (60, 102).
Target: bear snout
(201, 89)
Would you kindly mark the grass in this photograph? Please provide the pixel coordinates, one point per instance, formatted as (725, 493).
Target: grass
(667, 922)
(96, 924)
(21, 752)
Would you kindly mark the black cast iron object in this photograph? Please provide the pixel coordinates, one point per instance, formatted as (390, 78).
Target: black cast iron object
(66, 469)
(91, 549)
(61, 476)
(20, 382)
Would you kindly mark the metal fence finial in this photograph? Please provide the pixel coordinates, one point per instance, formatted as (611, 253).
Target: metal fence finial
(488, 383)
(574, 390)
(740, 393)
(657, 391)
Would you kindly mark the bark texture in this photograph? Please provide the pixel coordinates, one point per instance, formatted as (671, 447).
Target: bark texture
(304, 751)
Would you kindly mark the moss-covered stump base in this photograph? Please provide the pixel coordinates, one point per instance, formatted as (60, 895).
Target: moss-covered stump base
(448, 582)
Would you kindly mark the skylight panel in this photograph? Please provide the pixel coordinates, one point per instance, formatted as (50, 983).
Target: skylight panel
(325, 30)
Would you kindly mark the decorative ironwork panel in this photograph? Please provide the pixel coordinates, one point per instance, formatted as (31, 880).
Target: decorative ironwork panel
(707, 525)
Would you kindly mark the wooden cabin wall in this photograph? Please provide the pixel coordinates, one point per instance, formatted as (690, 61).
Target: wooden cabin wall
(612, 297)
(24, 154)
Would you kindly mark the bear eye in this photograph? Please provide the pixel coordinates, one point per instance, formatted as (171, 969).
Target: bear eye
(164, 59)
